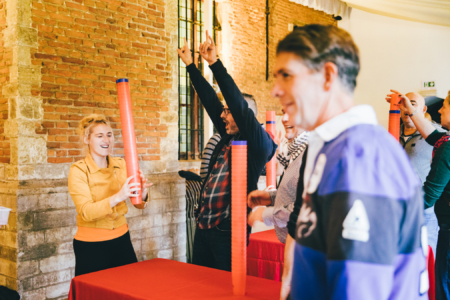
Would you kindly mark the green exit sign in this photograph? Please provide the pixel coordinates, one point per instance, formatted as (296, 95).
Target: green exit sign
(428, 84)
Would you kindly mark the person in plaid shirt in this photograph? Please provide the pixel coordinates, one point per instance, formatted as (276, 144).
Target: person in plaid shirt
(234, 121)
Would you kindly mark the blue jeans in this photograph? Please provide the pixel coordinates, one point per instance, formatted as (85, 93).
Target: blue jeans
(432, 227)
(443, 263)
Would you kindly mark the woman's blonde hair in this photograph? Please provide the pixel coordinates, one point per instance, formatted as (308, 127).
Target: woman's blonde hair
(85, 129)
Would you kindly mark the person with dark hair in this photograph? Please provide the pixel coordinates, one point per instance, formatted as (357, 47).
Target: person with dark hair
(235, 120)
(437, 183)
(359, 232)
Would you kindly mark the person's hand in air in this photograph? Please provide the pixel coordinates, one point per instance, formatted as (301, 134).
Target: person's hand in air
(185, 54)
(208, 50)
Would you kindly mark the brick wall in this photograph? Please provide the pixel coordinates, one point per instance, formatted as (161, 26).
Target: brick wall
(5, 62)
(58, 62)
(242, 42)
(84, 46)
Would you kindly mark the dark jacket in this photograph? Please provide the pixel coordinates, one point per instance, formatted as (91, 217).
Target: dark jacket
(260, 146)
(437, 185)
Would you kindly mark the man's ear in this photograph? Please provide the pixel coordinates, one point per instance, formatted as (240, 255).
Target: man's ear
(331, 75)
(425, 108)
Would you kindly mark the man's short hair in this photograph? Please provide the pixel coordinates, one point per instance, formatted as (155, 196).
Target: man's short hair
(317, 44)
(251, 102)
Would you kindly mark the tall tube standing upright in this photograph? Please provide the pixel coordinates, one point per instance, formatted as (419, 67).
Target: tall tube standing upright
(394, 116)
(239, 216)
(129, 138)
(271, 171)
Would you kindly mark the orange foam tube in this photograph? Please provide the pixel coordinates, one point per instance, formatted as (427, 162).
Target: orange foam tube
(394, 116)
(129, 138)
(271, 170)
(239, 216)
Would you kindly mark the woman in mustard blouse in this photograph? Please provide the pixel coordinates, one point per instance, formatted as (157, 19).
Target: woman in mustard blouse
(99, 186)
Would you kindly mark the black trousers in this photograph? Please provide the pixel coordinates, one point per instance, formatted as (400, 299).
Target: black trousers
(96, 256)
(212, 247)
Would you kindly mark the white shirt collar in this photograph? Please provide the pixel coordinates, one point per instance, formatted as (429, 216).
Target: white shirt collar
(360, 114)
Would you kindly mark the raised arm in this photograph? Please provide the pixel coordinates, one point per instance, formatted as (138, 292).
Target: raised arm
(422, 124)
(259, 141)
(204, 90)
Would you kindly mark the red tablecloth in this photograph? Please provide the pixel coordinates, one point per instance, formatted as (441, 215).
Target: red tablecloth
(166, 279)
(430, 263)
(265, 255)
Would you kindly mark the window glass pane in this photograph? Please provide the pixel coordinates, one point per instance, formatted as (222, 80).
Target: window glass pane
(190, 114)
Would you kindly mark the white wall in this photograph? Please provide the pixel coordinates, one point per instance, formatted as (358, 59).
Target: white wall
(397, 54)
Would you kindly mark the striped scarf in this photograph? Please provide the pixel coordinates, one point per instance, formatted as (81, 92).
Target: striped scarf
(289, 151)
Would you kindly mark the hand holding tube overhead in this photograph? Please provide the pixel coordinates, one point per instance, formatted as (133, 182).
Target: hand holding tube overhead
(422, 124)
(405, 103)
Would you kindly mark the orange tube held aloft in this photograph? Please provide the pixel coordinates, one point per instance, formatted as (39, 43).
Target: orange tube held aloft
(394, 116)
(271, 170)
(129, 138)
(239, 216)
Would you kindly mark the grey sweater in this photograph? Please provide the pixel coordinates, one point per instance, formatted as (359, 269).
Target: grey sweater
(283, 200)
(419, 151)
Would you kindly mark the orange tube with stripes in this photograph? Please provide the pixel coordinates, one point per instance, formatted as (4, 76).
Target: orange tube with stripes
(271, 170)
(129, 138)
(239, 216)
(394, 116)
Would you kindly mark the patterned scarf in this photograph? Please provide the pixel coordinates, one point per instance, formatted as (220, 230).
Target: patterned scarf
(289, 151)
(443, 139)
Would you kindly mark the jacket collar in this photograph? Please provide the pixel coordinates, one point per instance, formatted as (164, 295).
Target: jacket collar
(92, 165)
(361, 114)
(402, 131)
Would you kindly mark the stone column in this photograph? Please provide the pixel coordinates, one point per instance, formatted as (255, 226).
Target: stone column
(27, 147)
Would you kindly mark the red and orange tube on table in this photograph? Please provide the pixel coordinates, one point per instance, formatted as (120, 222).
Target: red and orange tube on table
(129, 137)
(239, 216)
(271, 170)
(394, 116)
